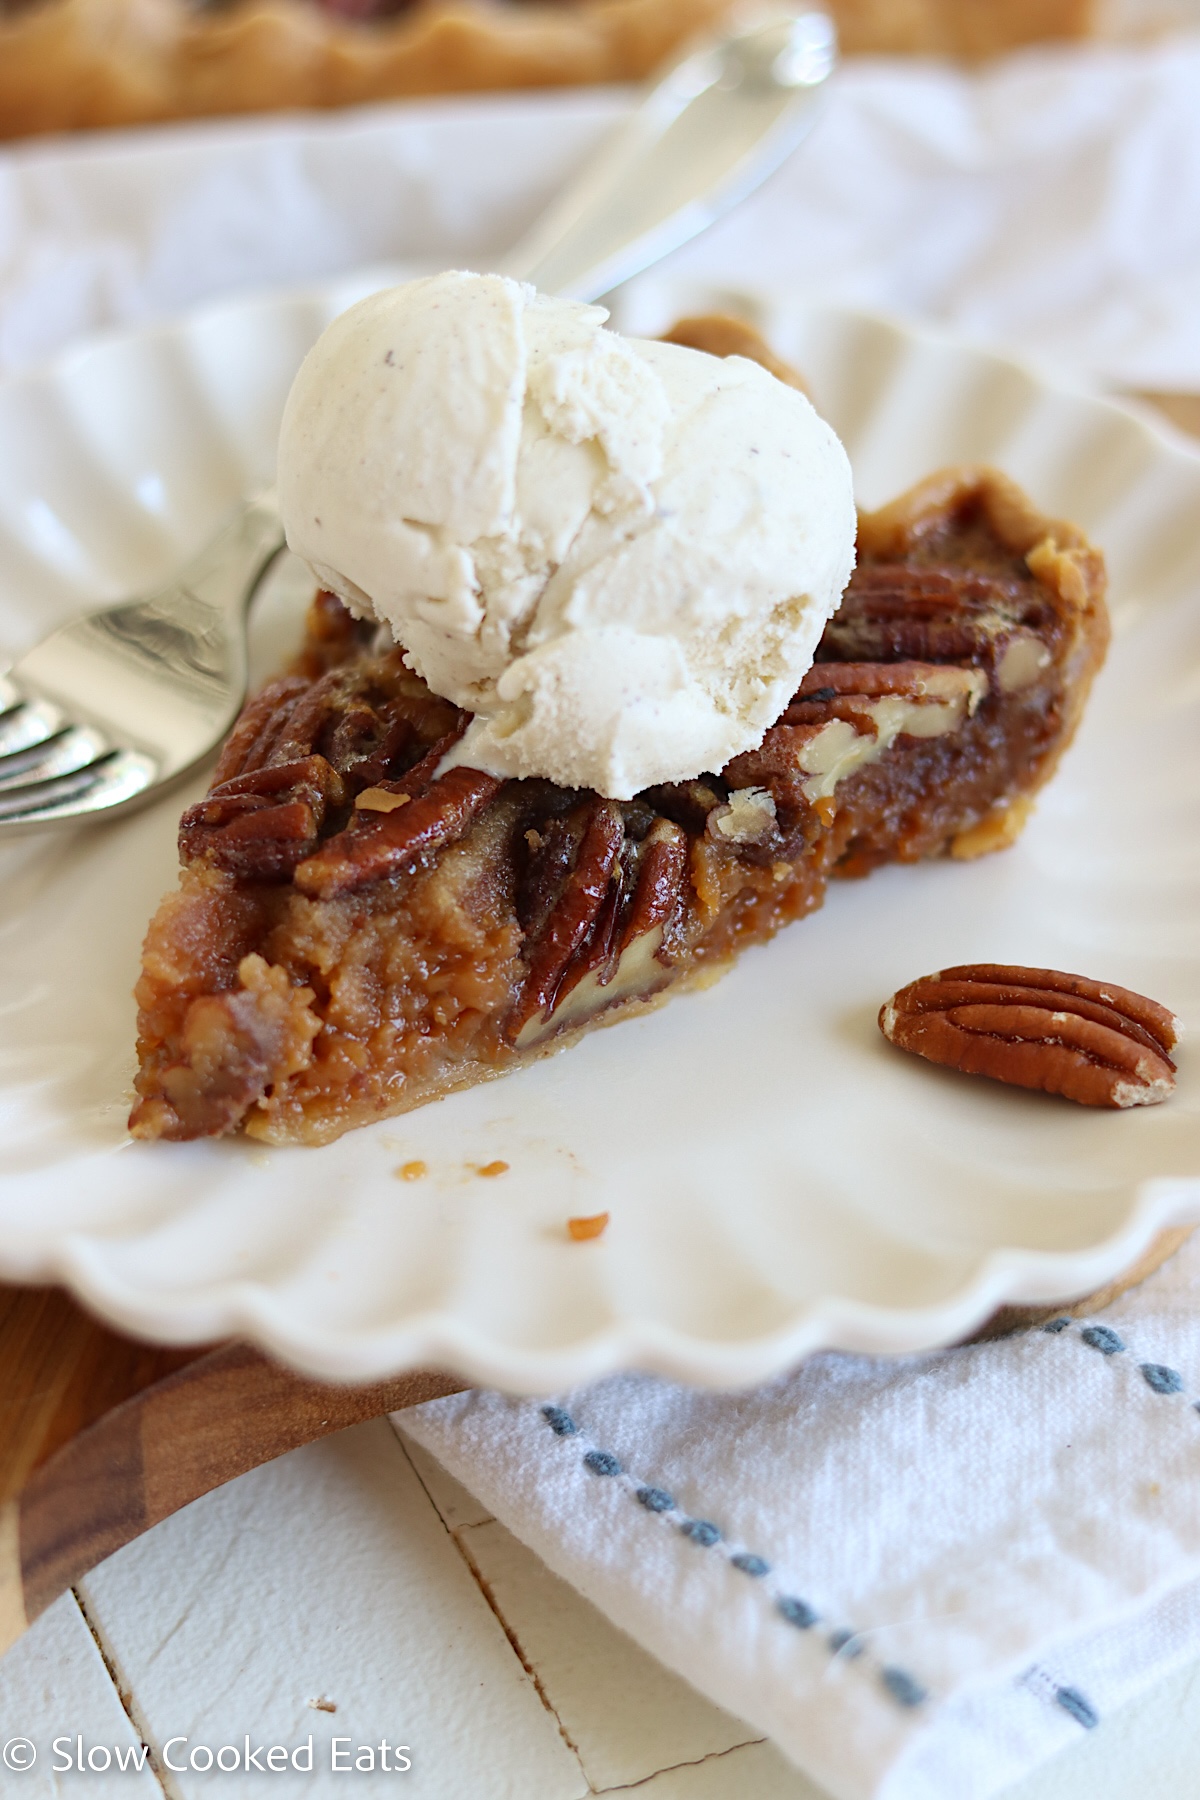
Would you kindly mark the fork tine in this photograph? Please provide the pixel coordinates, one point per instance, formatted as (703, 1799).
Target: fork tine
(70, 750)
(165, 672)
(27, 723)
(113, 779)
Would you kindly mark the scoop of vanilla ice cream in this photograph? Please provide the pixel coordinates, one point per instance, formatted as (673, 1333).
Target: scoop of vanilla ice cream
(619, 555)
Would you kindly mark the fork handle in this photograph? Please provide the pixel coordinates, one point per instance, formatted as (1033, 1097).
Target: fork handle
(226, 572)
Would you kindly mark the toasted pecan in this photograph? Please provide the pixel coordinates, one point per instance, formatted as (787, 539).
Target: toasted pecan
(257, 728)
(580, 900)
(384, 842)
(662, 873)
(1089, 1041)
(259, 825)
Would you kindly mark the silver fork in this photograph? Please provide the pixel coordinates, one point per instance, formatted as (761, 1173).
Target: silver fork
(115, 704)
(112, 707)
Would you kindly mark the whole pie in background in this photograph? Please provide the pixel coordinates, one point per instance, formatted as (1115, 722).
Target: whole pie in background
(71, 64)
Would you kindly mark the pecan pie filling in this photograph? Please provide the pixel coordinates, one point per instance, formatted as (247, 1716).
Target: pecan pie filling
(355, 934)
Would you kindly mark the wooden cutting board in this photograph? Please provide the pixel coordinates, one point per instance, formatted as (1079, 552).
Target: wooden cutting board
(101, 1437)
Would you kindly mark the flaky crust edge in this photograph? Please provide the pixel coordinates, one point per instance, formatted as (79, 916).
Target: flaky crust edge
(1056, 553)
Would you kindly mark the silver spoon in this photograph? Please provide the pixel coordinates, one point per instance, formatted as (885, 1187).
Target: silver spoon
(119, 703)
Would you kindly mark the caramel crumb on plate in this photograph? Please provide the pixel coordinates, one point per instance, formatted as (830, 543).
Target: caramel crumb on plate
(321, 1704)
(412, 1171)
(487, 1170)
(591, 1227)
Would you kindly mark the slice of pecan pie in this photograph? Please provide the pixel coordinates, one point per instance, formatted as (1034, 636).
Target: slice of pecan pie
(354, 934)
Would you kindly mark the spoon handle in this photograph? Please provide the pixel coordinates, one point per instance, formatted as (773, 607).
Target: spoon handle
(703, 137)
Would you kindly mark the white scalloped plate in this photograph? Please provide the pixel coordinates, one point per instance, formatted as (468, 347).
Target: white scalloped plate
(778, 1178)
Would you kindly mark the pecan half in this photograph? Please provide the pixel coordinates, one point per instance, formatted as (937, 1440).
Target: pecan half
(380, 844)
(258, 727)
(571, 919)
(687, 803)
(1089, 1041)
(259, 825)
(827, 683)
(367, 746)
(639, 912)
(661, 874)
(893, 612)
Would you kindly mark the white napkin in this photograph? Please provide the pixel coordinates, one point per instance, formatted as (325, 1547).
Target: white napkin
(1050, 201)
(919, 1577)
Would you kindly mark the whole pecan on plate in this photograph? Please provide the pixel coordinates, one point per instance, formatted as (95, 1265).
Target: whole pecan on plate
(1089, 1041)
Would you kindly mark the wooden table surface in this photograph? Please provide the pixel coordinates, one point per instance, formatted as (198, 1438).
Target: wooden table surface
(354, 1588)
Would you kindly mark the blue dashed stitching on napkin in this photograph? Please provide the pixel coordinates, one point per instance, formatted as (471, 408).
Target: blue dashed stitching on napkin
(845, 1645)
(702, 1532)
(1162, 1379)
(561, 1423)
(1101, 1338)
(901, 1686)
(1081, 1710)
(797, 1612)
(655, 1499)
(602, 1462)
(1042, 1685)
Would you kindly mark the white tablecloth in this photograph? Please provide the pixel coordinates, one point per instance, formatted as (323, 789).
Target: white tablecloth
(1051, 201)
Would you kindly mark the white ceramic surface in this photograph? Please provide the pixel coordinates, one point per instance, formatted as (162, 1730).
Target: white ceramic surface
(778, 1178)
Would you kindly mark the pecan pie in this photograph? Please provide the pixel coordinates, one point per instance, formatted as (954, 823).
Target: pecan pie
(67, 64)
(355, 934)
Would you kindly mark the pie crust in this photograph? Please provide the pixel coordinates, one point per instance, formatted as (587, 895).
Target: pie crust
(67, 64)
(354, 935)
